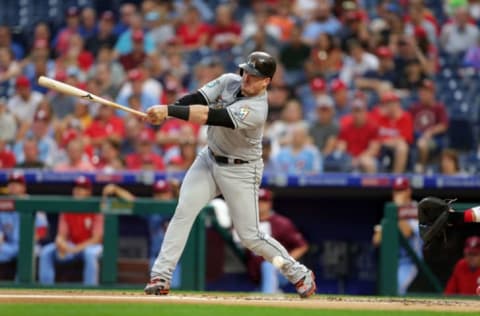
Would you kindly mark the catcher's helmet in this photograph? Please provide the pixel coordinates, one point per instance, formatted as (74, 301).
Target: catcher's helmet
(259, 64)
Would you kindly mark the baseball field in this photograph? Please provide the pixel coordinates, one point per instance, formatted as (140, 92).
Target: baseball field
(15, 302)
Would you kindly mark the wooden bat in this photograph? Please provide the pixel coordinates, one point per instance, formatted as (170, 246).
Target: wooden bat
(76, 92)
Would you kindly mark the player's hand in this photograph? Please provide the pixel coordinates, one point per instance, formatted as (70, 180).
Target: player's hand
(109, 189)
(157, 114)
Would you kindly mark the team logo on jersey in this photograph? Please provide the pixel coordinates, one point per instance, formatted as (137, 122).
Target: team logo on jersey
(242, 113)
(213, 83)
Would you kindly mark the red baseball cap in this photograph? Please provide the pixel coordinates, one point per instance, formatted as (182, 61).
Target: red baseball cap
(135, 74)
(161, 186)
(384, 52)
(264, 195)
(389, 97)
(137, 36)
(83, 182)
(427, 84)
(419, 32)
(22, 82)
(146, 136)
(472, 245)
(401, 183)
(16, 176)
(318, 84)
(337, 85)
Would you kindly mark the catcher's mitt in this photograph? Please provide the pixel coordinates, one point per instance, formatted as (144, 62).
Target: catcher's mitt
(434, 215)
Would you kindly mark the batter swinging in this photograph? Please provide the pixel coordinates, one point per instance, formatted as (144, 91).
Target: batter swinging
(235, 108)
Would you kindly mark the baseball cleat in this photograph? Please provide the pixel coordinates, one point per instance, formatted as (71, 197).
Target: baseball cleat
(157, 286)
(306, 286)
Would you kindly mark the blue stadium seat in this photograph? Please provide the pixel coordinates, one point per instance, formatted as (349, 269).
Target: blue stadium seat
(461, 133)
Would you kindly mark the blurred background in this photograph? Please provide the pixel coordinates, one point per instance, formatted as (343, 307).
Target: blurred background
(370, 99)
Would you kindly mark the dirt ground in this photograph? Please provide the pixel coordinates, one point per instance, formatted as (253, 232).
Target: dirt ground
(317, 302)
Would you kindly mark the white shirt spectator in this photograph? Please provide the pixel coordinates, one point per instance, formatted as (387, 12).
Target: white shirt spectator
(24, 110)
(456, 40)
(353, 68)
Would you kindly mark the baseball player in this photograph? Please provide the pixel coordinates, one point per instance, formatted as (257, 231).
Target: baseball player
(235, 108)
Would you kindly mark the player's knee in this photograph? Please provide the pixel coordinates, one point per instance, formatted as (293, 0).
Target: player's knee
(91, 253)
(401, 147)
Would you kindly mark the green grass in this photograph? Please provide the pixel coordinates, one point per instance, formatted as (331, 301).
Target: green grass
(122, 309)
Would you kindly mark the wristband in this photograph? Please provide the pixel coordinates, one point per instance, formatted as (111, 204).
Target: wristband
(178, 111)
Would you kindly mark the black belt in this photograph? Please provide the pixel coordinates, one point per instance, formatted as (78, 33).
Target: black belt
(227, 160)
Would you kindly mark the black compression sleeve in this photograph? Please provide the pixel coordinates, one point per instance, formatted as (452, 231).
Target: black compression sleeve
(181, 112)
(192, 98)
(219, 117)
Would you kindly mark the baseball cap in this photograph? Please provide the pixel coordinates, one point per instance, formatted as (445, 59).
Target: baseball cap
(384, 52)
(401, 183)
(146, 136)
(318, 84)
(135, 74)
(22, 82)
(161, 186)
(419, 32)
(137, 36)
(337, 85)
(472, 245)
(324, 101)
(16, 176)
(389, 97)
(41, 115)
(264, 195)
(83, 182)
(427, 84)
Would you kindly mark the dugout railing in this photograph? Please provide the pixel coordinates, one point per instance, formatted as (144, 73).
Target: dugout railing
(392, 240)
(192, 260)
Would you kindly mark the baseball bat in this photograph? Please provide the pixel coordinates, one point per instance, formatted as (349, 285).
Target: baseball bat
(76, 92)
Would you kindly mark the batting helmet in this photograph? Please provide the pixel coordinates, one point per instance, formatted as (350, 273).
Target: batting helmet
(259, 64)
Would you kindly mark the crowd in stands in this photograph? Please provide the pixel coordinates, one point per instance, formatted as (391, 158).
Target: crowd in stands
(363, 86)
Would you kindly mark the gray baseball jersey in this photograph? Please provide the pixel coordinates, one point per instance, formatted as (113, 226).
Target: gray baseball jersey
(238, 183)
(247, 113)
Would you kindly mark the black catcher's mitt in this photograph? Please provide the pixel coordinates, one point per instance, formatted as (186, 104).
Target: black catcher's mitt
(434, 215)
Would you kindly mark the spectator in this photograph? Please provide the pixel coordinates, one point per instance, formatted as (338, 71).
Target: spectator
(258, 20)
(7, 157)
(62, 41)
(280, 131)
(25, 101)
(31, 158)
(294, 56)
(325, 129)
(150, 90)
(137, 56)
(10, 221)
(41, 131)
(357, 63)
(299, 157)
(417, 20)
(472, 56)
(430, 124)
(282, 229)
(323, 22)
(104, 36)
(284, 20)
(192, 33)
(105, 56)
(308, 95)
(395, 131)
(145, 155)
(384, 78)
(76, 158)
(160, 28)
(8, 124)
(456, 37)
(127, 12)
(449, 162)
(109, 158)
(106, 124)
(261, 41)
(465, 278)
(354, 26)
(358, 138)
(124, 43)
(103, 78)
(7, 43)
(341, 98)
(267, 157)
(278, 95)
(408, 226)
(225, 32)
(325, 57)
(88, 26)
(157, 223)
(9, 69)
(39, 63)
(79, 236)
(187, 154)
